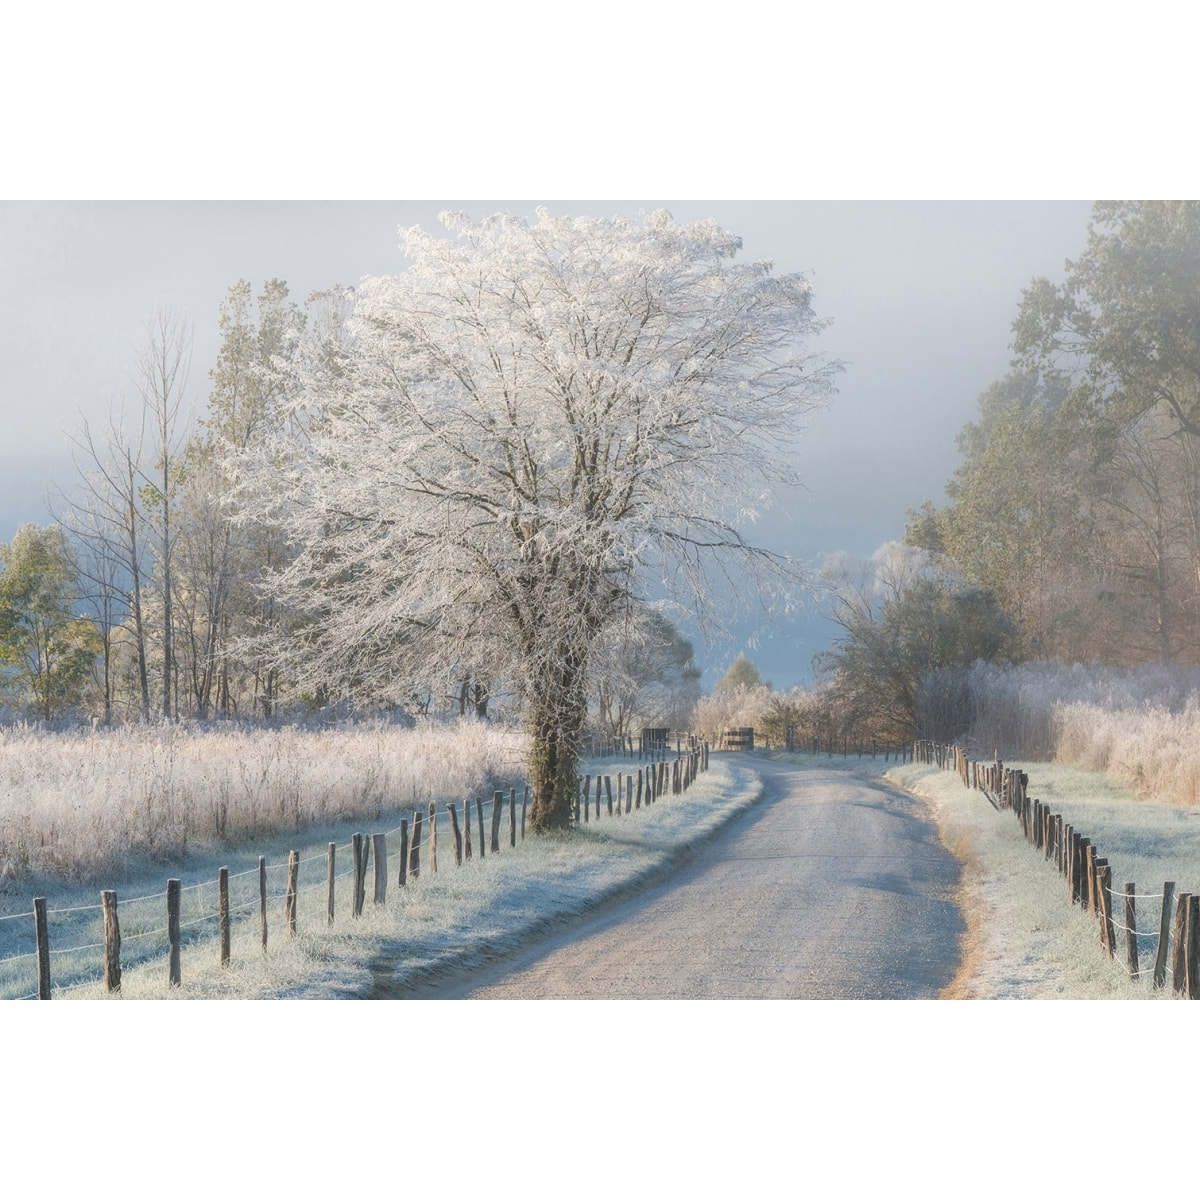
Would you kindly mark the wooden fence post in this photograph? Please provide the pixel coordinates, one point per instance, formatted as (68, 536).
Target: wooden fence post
(479, 814)
(330, 876)
(404, 853)
(497, 813)
(466, 829)
(456, 833)
(41, 932)
(1104, 882)
(379, 851)
(112, 942)
(638, 802)
(433, 837)
(262, 899)
(360, 872)
(1179, 944)
(1192, 955)
(1131, 946)
(174, 892)
(607, 792)
(1164, 931)
(586, 789)
(223, 912)
(512, 815)
(629, 793)
(293, 892)
(414, 851)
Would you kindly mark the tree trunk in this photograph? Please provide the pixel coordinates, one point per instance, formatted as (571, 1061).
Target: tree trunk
(557, 713)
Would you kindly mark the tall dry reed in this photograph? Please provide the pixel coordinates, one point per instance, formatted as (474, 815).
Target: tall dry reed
(80, 806)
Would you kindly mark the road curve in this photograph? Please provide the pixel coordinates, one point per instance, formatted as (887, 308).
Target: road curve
(834, 886)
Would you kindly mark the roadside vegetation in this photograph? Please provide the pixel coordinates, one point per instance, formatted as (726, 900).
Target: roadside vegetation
(1026, 939)
(458, 917)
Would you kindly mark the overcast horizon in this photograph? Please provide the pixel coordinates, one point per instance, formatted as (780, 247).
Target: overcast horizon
(920, 297)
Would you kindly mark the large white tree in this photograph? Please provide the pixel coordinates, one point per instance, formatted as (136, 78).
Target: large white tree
(499, 452)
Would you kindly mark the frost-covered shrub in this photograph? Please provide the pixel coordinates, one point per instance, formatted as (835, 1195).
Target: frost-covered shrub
(739, 708)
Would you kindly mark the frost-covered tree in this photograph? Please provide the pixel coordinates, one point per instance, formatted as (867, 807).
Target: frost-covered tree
(504, 448)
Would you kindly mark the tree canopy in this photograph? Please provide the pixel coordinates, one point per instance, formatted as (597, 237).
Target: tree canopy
(498, 453)
(46, 649)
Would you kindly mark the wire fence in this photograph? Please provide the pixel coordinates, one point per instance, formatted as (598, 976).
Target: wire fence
(1174, 944)
(72, 947)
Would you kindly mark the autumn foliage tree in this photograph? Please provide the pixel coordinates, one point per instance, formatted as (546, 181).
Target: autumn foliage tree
(507, 446)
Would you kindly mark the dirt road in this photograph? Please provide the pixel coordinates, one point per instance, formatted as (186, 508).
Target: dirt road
(834, 886)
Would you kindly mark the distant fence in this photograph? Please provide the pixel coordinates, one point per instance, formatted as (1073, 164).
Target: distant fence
(1087, 874)
(649, 744)
(197, 911)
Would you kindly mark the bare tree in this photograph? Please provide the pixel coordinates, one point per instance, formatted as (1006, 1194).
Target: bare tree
(161, 376)
(105, 517)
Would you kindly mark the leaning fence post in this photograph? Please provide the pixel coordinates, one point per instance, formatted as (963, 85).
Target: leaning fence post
(404, 853)
(112, 942)
(174, 891)
(360, 871)
(479, 814)
(42, 934)
(1164, 931)
(223, 912)
(293, 892)
(456, 833)
(607, 792)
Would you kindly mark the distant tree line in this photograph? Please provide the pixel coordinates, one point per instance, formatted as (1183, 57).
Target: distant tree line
(1071, 528)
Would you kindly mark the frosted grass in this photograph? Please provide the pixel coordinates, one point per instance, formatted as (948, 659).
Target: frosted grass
(86, 807)
(1029, 941)
(1139, 725)
(460, 917)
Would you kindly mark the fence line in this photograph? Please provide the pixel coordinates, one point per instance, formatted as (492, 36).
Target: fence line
(1086, 873)
(658, 777)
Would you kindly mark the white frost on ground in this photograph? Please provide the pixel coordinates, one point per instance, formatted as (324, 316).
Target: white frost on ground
(1032, 943)
(459, 916)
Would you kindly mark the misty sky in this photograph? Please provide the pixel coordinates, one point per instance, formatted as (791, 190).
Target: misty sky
(920, 294)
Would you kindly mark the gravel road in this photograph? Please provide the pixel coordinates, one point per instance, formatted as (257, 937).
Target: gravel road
(834, 886)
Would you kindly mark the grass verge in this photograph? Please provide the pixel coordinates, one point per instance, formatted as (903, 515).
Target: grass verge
(1026, 940)
(438, 922)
